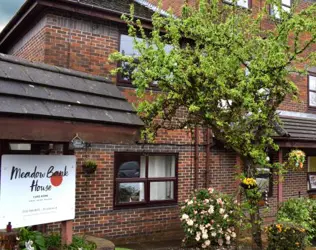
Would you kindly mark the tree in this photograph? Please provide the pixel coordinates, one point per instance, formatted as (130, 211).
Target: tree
(225, 70)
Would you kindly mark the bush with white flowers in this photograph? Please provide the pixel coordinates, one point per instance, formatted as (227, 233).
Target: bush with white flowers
(209, 218)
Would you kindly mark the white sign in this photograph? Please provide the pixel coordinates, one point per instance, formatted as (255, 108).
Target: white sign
(37, 189)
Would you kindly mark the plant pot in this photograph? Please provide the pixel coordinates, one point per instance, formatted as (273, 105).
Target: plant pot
(243, 185)
(89, 169)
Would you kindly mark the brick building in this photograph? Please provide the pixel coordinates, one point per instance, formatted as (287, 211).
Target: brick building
(137, 187)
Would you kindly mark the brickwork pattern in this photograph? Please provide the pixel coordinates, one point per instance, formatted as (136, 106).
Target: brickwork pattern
(71, 41)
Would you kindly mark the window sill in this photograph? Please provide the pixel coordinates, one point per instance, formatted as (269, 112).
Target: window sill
(147, 207)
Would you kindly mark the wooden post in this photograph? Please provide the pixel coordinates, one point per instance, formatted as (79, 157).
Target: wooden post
(66, 232)
(280, 181)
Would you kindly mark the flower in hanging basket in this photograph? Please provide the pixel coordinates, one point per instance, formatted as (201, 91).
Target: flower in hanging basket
(296, 160)
(89, 166)
(248, 183)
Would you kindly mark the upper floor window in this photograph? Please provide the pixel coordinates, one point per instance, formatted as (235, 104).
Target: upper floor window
(127, 48)
(240, 3)
(285, 5)
(312, 90)
(145, 179)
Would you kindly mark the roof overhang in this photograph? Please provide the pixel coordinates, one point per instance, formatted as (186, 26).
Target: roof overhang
(32, 10)
(35, 129)
(298, 129)
(43, 102)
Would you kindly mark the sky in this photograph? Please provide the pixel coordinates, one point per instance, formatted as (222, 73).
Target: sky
(7, 10)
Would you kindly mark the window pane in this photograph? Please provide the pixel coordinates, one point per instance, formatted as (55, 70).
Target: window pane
(161, 190)
(312, 99)
(20, 146)
(312, 164)
(263, 179)
(127, 45)
(243, 3)
(129, 167)
(286, 9)
(131, 192)
(286, 2)
(168, 48)
(275, 12)
(161, 166)
(312, 82)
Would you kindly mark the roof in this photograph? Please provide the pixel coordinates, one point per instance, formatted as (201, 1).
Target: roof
(123, 6)
(299, 128)
(39, 90)
(107, 9)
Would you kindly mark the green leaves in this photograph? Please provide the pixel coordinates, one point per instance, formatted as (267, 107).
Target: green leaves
(224, 70)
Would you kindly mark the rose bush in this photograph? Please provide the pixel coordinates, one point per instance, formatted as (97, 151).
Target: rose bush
(209, 218)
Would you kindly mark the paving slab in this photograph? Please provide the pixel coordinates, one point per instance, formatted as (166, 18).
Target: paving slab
(102, 244)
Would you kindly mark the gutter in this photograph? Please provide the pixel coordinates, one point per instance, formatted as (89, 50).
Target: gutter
(196, 158)
(16, 20)
(207, 160)
(91, 6)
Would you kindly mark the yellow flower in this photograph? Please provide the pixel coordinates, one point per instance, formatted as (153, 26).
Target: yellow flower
(279, 227)
(249, 181)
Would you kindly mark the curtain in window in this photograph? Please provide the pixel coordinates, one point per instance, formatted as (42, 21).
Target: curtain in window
(161, 166)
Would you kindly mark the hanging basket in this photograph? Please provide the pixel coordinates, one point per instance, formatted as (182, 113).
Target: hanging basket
(89, 167)
(245, 186)
(296, 160)
(248, 183)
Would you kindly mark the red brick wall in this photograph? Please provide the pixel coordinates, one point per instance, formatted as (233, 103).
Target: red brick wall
(175, 5)
(33, 49)
(83, 44)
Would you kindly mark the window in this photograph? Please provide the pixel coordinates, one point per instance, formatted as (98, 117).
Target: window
(312, 90)
(311, 169)
(312, 164)
(20, 146)
(127, 48)
(240, 3)
(145, 179)
(264, 180)
(285, 6)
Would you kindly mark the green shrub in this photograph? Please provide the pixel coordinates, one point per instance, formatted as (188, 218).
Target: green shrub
(53, 241)
(299, 211)
(79, 242)
(286, 236)
(29, 239)
(209, 218)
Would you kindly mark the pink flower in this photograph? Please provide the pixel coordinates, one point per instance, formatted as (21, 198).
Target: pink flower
(220, 242)
(210, 190)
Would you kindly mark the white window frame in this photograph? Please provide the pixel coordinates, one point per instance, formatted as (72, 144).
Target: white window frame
(239, 3)
(310, 76)
(275, 12)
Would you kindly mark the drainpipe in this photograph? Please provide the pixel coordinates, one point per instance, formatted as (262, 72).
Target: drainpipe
(280, 183)
(196, 157)
(207, 160)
